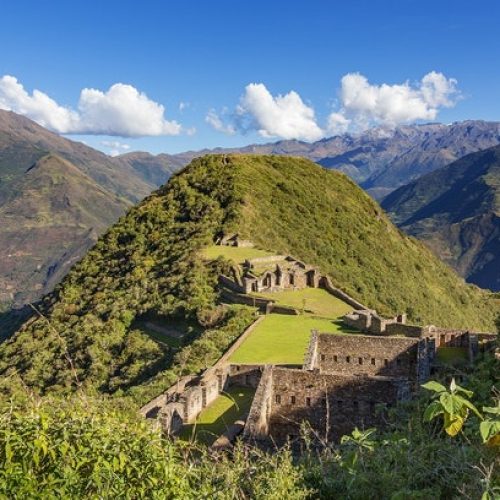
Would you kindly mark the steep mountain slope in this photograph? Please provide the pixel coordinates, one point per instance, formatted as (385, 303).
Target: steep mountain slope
(43, 249)
(151, 262)
(155, 169)
(23, 142)
(456, 212)
(50, 217)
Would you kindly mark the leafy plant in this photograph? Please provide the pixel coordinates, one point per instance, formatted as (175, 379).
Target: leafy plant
(452, 404)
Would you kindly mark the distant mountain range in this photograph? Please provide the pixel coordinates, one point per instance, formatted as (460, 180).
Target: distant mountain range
(56, 197)
(380, 160)
(455, 210)
(46, 182)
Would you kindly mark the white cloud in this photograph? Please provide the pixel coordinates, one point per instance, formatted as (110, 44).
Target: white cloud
(214, 120)
(116, 147)
(361, 105)
(284, 116)
(184, 105)
(366, 105)
(121, 111)
(337, 124)
(38, 106)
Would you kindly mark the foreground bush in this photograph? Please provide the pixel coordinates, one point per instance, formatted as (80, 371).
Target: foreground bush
(94, 449)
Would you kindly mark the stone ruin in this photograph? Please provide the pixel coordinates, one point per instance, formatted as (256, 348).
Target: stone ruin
(368, 321)
(346, 381)
(273, 274)
(233, 240)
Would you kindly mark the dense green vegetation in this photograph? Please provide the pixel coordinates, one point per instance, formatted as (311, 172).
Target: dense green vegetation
(151, 262)
(98, 448)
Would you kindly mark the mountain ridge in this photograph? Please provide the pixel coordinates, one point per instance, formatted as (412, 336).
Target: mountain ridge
(455, 210)
(150, 263)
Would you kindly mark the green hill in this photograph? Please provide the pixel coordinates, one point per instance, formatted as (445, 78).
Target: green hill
(456, 212)
(150, 265)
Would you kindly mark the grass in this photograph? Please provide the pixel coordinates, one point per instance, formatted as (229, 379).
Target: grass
(452, 355)
(171, 332)
(314, 300)
(281, 339)
(237, 254)
(218, 416)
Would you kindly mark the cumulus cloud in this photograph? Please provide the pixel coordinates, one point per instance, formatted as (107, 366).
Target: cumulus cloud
(285, 116)
(361, 105)
(122, 110)
(37, 106)
(337, 124)
(364, 104)
(116, 147)
(216, 122)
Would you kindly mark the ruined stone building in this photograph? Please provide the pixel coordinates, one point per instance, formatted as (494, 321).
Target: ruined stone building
(347, 381)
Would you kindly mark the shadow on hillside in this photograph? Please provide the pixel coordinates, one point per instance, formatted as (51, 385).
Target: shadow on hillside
(11, 321)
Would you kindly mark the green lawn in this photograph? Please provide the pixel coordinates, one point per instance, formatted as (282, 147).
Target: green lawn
(314, 300)
(217, 417)
(237, 254)
(281, 339)
(452, 355)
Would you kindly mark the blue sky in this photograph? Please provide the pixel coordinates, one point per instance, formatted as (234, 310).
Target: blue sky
(205, 54)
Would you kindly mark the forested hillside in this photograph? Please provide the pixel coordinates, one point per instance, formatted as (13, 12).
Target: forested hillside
(149, 263)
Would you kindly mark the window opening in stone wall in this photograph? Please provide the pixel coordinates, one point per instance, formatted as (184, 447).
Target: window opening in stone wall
(278, 399)
(335, 358)
(360, 361)
(292, 400)
(373, 361)
(308, 401)
(348, 359)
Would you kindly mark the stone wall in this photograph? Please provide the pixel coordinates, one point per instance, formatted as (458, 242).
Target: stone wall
(271, 259)
(360, 320)
(367, 355)
(332, 404)
(245, 375)
(231, 284)
(327, 284)
(257, 424)
(404, 330)
(449, 337)
(311, 357)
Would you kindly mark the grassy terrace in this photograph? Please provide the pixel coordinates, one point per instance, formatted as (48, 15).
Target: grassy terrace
(281, 339)
(217, 417)
(170, 332)
(236, 254)
(314, 301)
